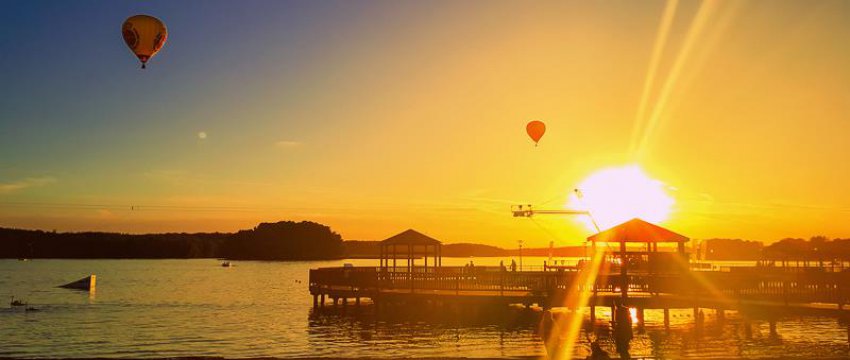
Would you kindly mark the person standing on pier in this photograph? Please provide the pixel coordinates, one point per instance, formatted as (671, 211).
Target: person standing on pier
(622, 330)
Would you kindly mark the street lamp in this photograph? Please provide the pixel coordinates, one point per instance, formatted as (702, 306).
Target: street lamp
(520, 255)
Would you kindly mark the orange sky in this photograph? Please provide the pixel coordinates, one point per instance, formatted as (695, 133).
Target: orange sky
(413, 116)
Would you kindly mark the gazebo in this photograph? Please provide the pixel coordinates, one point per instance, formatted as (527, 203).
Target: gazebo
(643, 259)
(639, 231)
(408, 245)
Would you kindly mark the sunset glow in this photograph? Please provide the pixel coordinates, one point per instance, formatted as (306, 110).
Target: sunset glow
(372, 179)
(618, 194)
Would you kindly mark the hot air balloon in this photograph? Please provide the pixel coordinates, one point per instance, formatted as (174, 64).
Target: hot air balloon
(144, 35)
(535, 130)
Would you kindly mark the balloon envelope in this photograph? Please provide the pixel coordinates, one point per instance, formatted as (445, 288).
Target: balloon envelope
(535, 130)
(144, 35)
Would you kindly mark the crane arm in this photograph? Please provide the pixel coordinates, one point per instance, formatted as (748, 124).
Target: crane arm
(528, 211)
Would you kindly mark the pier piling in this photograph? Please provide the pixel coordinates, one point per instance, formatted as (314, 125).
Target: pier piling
(640, 318)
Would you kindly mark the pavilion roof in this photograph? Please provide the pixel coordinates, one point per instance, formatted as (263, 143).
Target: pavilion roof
(410, 237)
(637, 230)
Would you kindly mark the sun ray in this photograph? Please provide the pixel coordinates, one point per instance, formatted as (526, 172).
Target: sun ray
(577, 298)
(704, 13)
(657, 50)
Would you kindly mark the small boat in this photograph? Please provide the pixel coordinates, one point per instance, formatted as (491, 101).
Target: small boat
(226, 264)
(86, 283)
(16, 303)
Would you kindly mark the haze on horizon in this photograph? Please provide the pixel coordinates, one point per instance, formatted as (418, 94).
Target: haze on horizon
(377, 116)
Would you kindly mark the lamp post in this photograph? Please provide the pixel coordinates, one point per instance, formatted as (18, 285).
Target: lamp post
(520, 255)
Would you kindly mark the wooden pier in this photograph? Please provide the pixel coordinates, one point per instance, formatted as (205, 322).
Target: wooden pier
(644, 278)
(764, 288)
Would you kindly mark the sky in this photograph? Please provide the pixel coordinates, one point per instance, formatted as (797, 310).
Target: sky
(373, 117)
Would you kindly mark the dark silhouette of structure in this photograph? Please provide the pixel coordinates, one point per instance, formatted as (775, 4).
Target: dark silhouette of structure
(410, 244)
(644, 267)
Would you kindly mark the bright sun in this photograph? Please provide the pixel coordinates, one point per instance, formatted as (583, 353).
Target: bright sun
(618, 194)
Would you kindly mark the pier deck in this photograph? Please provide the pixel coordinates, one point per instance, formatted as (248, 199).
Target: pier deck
(777, 289)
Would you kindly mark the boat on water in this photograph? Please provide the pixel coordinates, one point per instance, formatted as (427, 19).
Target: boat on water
(226, 264)
(16, 303)
(86, 283)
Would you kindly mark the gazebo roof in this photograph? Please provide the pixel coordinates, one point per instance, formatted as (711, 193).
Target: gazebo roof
(410, 237)
(637, 230)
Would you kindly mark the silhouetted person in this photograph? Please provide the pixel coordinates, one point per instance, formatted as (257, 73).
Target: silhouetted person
(622, 330)
(597, 353)
(513, 265)
(699, 322)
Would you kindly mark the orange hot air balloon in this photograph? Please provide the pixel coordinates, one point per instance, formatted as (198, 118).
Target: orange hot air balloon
(535, 130)
(144, 35)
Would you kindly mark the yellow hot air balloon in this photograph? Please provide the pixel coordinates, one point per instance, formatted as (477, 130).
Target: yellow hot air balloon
(144, 35)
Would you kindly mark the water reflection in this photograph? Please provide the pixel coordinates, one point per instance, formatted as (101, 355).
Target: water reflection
(430, 330)
(442, 330)
(192, 308)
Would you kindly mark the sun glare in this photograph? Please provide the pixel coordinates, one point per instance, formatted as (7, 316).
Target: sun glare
(618, 194)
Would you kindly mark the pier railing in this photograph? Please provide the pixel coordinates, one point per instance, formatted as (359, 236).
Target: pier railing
(739, 284)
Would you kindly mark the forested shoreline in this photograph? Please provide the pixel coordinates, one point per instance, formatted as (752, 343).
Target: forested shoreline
(285, 240)
(306, 240)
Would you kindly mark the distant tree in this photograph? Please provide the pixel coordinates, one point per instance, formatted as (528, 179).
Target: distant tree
(731, 249)
(285, 240)
(818, 248)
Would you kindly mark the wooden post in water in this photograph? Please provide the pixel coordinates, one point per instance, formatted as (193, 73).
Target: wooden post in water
(315, 301)
(667, 319)
(322, 302)
(592, 315)
(785, 292)
(640, 317)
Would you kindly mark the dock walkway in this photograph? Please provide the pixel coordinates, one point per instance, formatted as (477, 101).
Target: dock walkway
(732, 289)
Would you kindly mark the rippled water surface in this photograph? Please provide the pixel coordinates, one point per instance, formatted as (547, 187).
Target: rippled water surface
(170, 308)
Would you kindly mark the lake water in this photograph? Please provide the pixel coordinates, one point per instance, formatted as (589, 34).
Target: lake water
(175, 308)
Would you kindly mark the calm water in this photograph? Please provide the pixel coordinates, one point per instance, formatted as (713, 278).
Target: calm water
(171, 308)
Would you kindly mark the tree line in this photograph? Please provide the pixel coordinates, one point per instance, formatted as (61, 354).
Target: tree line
(285, 240)
(816, 248)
